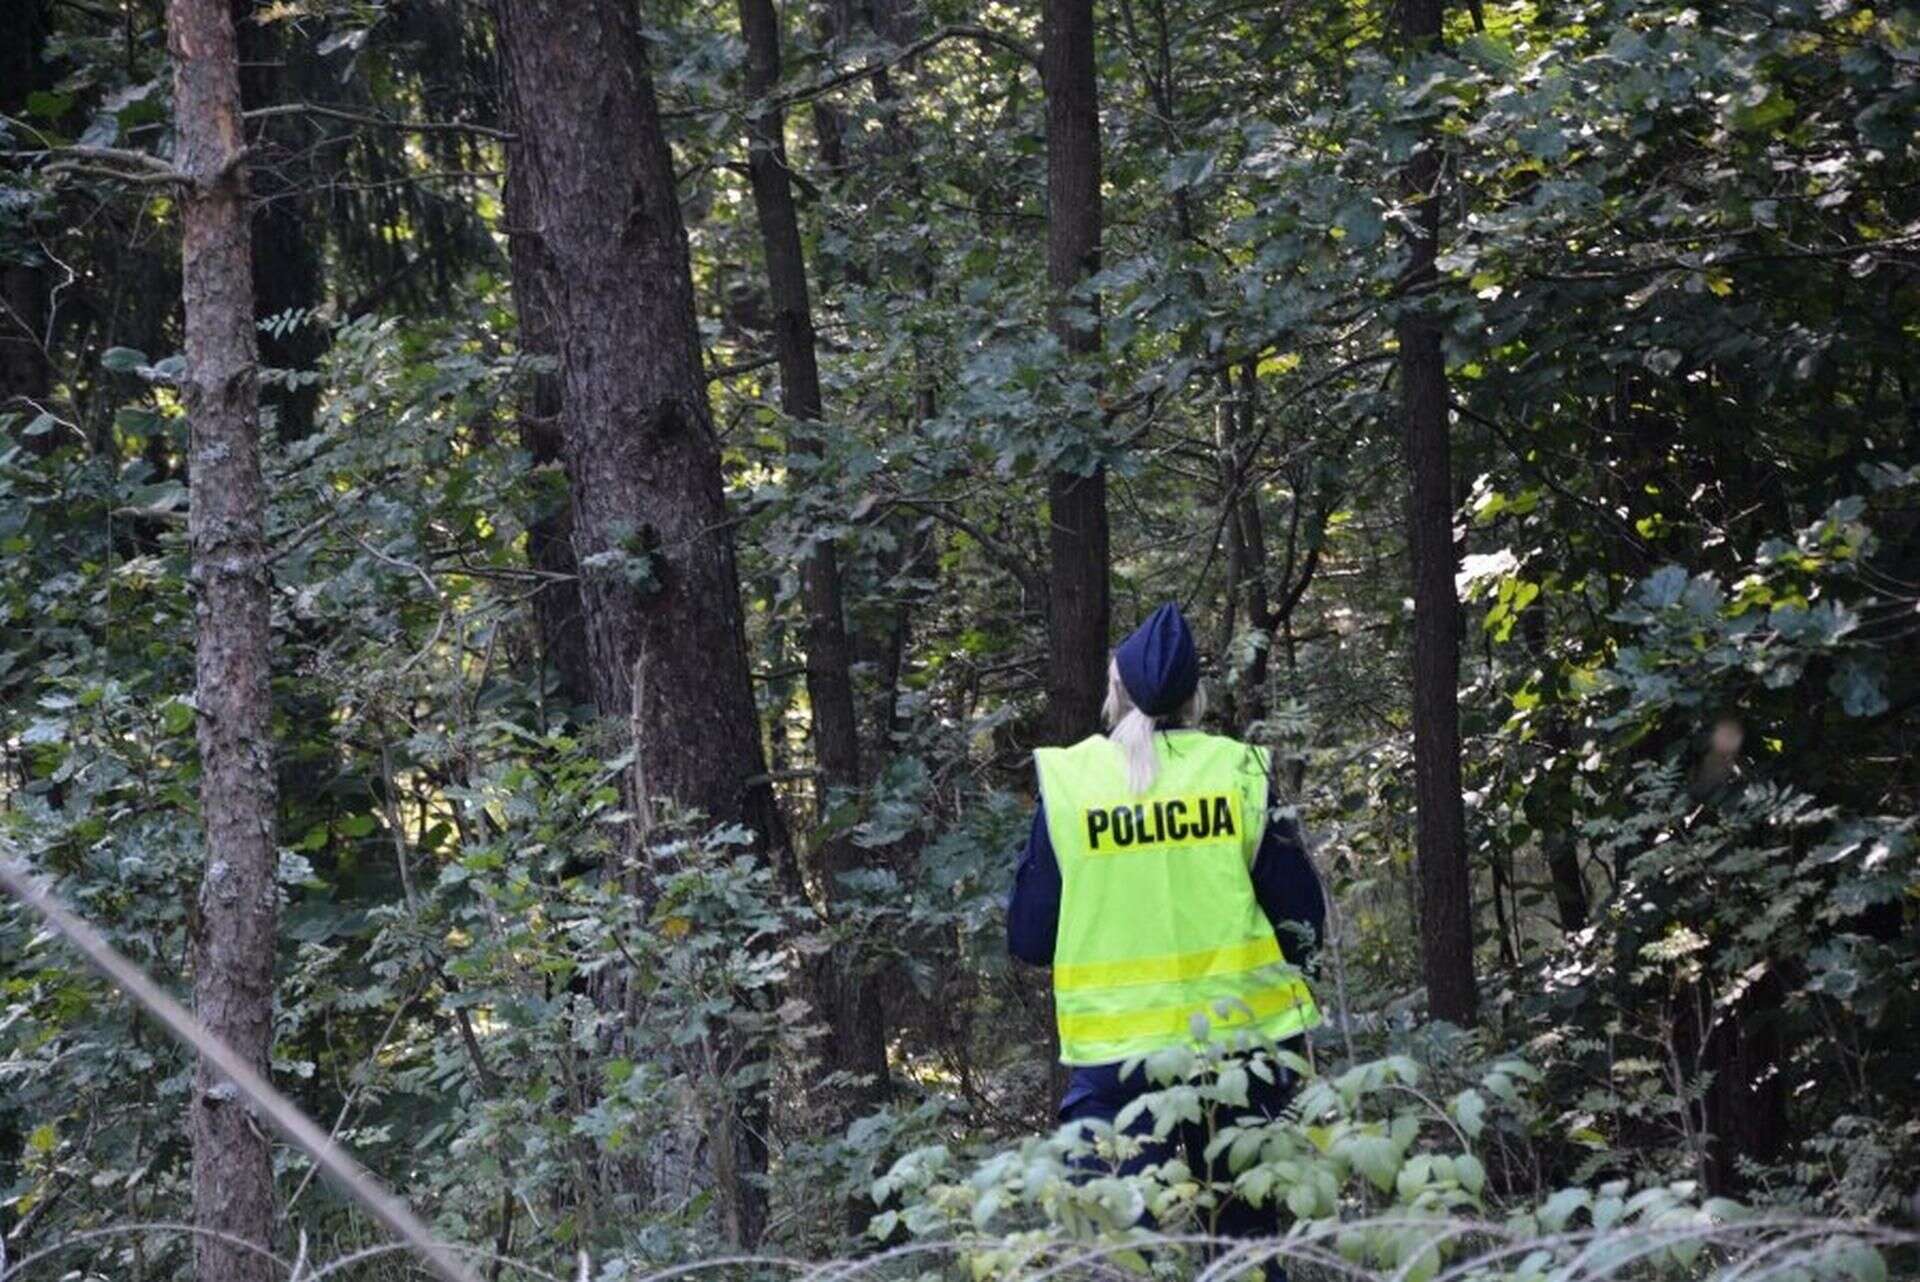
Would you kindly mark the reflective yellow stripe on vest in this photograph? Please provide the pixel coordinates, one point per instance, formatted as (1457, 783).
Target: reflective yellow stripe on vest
(1158, 920)
(1072, 977)
(1288, 998)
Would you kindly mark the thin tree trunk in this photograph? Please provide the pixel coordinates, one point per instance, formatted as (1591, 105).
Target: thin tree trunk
(24, 373)
(1253, 539)
(856, 1033)
(1557, 834)
(1079, 604)
(659, 585)
(883, 645)
(1446, 904)
(233, 925)
(1245, 565)
(286, 259)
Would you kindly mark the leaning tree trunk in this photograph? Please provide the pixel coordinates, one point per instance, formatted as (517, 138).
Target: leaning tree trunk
(856, 1032)
(659, 587)
(233, 928)
(1079, 606)
(1446, 905)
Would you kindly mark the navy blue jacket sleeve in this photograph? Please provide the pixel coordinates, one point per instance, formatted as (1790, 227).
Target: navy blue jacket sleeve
(1289, 890)
(1033, 910)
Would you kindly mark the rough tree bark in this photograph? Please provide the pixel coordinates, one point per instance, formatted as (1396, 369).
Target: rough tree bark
(659, 586)
(233, 924)
(557, 616)
(1446, 905)
(1079, 605)
(650, 521)
(856, 1031)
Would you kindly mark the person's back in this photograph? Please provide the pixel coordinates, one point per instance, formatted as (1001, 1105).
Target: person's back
(1155, 887)
(1160, 935)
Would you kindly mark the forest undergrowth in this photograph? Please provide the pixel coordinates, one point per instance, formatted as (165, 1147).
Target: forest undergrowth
(538, 541)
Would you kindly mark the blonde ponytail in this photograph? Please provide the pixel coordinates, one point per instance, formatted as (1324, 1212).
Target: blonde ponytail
(1132, 730)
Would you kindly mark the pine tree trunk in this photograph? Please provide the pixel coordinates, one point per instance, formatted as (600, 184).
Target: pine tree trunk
(650, 521)
(1079, 605)
(557, 615)
(1446, 904)
(856, 1032)
(233, 926)
(659, 586)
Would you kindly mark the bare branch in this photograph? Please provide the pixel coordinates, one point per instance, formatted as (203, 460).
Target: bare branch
(906, 53)
(379, 122)
(347, 1174)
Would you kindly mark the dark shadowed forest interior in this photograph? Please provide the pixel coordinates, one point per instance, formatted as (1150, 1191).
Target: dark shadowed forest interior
(540, 539)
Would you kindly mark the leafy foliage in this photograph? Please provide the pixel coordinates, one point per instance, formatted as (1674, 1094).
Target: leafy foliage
(1676, 289)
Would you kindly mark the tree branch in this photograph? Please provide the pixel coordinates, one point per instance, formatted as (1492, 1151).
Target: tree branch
(378, 122)
(806, 93)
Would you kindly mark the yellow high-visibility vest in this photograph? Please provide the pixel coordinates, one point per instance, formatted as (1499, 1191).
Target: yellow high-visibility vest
(1161, 941)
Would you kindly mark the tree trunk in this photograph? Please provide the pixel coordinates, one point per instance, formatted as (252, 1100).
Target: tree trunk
(286, 258)
(659, 587)
(1079, 605)
(856, 1034)
(1446, 904)
(557, 616)
(24, 374)
(650, 522)
(233, 926)
(1557, 834)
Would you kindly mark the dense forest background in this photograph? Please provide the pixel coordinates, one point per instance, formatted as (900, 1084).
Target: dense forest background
(704, 449)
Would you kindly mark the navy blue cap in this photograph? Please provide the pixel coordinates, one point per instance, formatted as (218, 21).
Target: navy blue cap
(1158, 664)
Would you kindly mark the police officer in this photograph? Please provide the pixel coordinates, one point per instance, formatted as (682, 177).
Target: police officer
(1155, 886)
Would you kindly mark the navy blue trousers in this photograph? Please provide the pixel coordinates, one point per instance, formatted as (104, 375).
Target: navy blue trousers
(1099, 1093)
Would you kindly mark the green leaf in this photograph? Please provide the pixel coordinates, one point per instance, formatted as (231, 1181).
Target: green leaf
(1770, 108)
(1470, 1110)
(1360, 222)
(1859, 688)
(48, 106)
(176, 715)
(1662, 588)
(1377, 1158)
(1559, 1208)
(1302, 1201)
(1189, 170)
